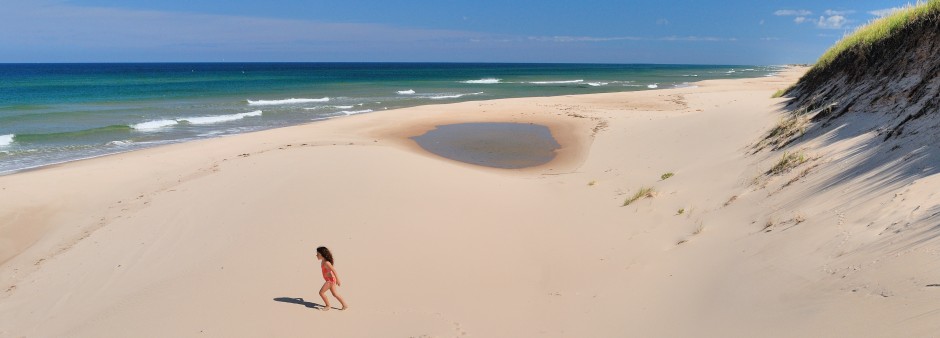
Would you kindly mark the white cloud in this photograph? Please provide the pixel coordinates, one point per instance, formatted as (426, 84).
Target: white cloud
(885, 11)
(832, 22)
(792, 12)
(825, 22)
(662, 22)
(770, 39)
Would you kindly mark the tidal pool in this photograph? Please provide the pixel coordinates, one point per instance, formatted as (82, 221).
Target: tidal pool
(492, 144)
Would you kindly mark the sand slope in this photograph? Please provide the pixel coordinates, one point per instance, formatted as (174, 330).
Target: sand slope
(217, 237)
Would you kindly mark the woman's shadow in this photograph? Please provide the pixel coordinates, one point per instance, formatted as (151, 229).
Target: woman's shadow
(299, 301)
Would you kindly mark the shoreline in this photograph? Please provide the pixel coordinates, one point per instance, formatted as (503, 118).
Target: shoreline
(32, 166)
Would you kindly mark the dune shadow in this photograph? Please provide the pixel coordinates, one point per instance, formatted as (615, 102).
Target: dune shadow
(299, 301)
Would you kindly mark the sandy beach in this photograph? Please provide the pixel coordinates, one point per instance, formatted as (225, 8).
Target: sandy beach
(216, 238)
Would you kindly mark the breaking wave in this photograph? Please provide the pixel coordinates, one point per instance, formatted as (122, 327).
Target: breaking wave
(556, 82)
(6, 140)
(154, 125)
(353, 112)
(483, 81)
(219, 119)
(442, 97)
(285, 101)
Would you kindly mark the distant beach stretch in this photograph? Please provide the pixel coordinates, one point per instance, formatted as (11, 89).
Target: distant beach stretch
(55, 113)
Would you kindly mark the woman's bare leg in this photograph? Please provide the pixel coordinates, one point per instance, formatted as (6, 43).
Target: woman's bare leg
(338, 297)
(326, 302)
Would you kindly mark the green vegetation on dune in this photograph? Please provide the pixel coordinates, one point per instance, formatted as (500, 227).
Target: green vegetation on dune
(880, 29)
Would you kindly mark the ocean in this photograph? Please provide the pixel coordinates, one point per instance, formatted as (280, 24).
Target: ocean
(54, 113)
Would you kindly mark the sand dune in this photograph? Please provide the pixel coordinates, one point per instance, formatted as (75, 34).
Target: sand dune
(217, 237)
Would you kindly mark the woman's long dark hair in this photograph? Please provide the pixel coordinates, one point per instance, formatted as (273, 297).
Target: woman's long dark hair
(323, 251)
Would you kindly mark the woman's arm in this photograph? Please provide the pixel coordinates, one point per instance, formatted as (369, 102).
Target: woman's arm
(333, 270)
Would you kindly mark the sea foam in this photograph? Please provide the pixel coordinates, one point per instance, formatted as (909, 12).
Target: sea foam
(6, 140)
(328, 107)
(653, 86)
(483, 81)
(120, 143)
(154, 125)
(406, 92)
(285, 101)
(556, 82)
(598, 84)
(353, 112)
(220, 118)
(442, 97)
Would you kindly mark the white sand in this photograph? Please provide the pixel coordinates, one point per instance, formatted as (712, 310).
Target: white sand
(199, 239)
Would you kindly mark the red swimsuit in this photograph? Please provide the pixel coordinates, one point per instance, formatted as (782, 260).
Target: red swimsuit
(327, 275)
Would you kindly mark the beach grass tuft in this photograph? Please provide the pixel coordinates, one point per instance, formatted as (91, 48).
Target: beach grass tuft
(779, 93)
(788, 161)
(645, 192)
(879, 30)
(788, 127)
(666, 176)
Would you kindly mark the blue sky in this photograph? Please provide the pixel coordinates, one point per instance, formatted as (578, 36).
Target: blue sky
(591, 31)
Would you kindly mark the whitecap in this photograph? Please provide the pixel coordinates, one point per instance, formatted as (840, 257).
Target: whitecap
(331, 107)
(556, 82)
(285, 101)
(483, 81)
(353, 112)
(406, 92)
(120, 143)
(153, 125)
(653, 86)
(598, 84)
(442, 97)
(211, 133)
(220, 118)
(6, 140)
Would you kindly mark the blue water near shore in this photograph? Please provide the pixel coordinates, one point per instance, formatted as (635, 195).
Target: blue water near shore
(53, 113)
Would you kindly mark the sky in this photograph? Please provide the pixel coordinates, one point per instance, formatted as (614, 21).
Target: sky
(729, 32)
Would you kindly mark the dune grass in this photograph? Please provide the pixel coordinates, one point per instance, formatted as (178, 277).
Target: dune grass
(879, 30)
(644, 192)
(788, 161)
(779, 93)
(666, 176)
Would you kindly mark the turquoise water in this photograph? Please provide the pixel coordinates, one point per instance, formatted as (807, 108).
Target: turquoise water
(53, 113)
